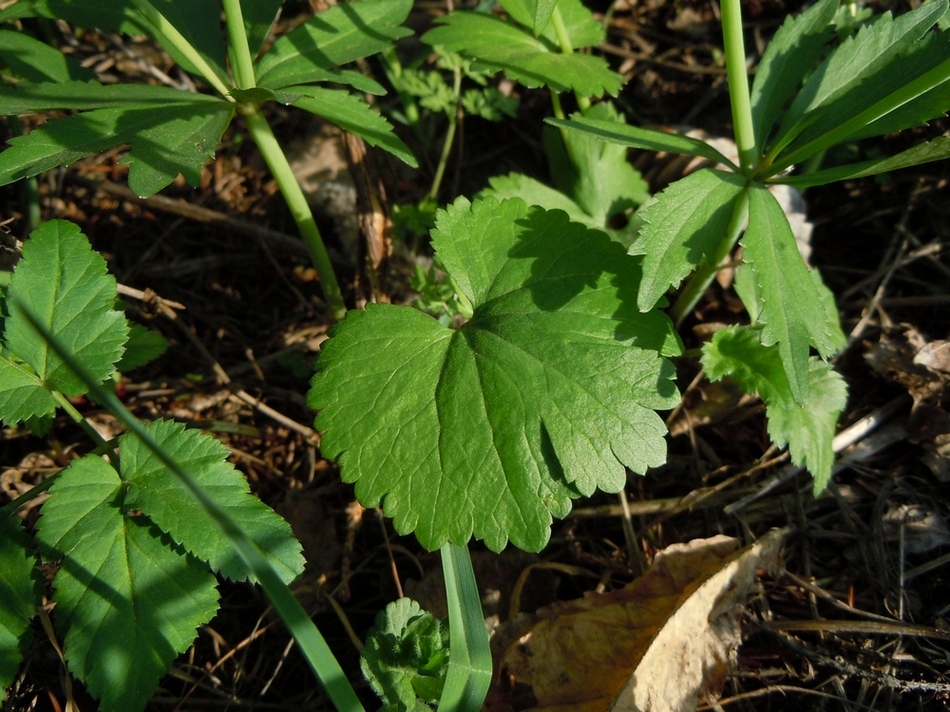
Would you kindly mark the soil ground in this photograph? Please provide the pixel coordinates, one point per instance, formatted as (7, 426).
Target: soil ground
(844, 626)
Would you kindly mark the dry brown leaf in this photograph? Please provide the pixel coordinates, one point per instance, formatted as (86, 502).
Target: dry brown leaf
(659, 644)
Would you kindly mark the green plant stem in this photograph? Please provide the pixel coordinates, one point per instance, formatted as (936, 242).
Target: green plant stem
(738, 78)
(311, 642)
(237, 42)
(449, 136)
(564, 40)
(78, 419)
(167, 30)
(276, 160)
(470, 666)
(706, 272)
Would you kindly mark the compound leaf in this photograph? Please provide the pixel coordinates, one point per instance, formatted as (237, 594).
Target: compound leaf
(683, 228)
(533, 61)
(406, 656)
(350, 113)
(546, 393)
(64, 285)
(793, 306)
(165, 500)
(336, 36)
(808, 428)
(19, 594)
(127, 600)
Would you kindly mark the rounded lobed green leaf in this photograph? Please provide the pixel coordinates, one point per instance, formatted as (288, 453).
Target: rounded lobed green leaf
(547, 393)
(19, 594)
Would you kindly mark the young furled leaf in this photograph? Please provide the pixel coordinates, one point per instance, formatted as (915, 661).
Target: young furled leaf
(19, 593)
(792, 309)
(806, 428)
(127, 600)
(65, 286)
(547, 393)
(406, 657)
(166, 501)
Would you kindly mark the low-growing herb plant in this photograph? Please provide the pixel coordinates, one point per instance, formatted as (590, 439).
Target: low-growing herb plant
(171, 131)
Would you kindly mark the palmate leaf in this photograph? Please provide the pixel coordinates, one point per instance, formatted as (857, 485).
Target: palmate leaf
(808, 428)
(547, 393)
(350, 113)
(65, 286)
(684, 228)
(127, 600)
(19, 594)
(336, 36)
(792, 304)
(533, 61)
(165, 140)
(156, 490)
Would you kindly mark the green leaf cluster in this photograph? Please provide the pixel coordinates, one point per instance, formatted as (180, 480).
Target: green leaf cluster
(135, 553)
(406, 657)
(536, 48)
(170, 131)
(547, 393)
(812, 91)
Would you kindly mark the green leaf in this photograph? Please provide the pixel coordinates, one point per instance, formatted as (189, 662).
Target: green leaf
(144, 345)
(182, 140)
(336, 36)
(19, 593)
(583, 29)
(533, 61)
(22, 395)
(798, 44)
(200, 24)
(259, 17)
(684, 228)
(936, 150)
(533, 14)
(352, 114)
(792, 310)
(36, 61)
(808, 429)
(127, 601)
(546, 393)
(155, 490)
(596, 173)
(159, 137)
(406, 656)
(107, 15)
(856, 62)
(84, 95)
(64, 284)
(638, 137)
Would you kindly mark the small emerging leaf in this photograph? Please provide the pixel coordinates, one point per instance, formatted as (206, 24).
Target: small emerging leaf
(406, 656)
(127, 601)
(546, 393)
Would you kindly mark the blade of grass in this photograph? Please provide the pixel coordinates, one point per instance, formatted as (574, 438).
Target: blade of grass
(312, 644)
(470, 667)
